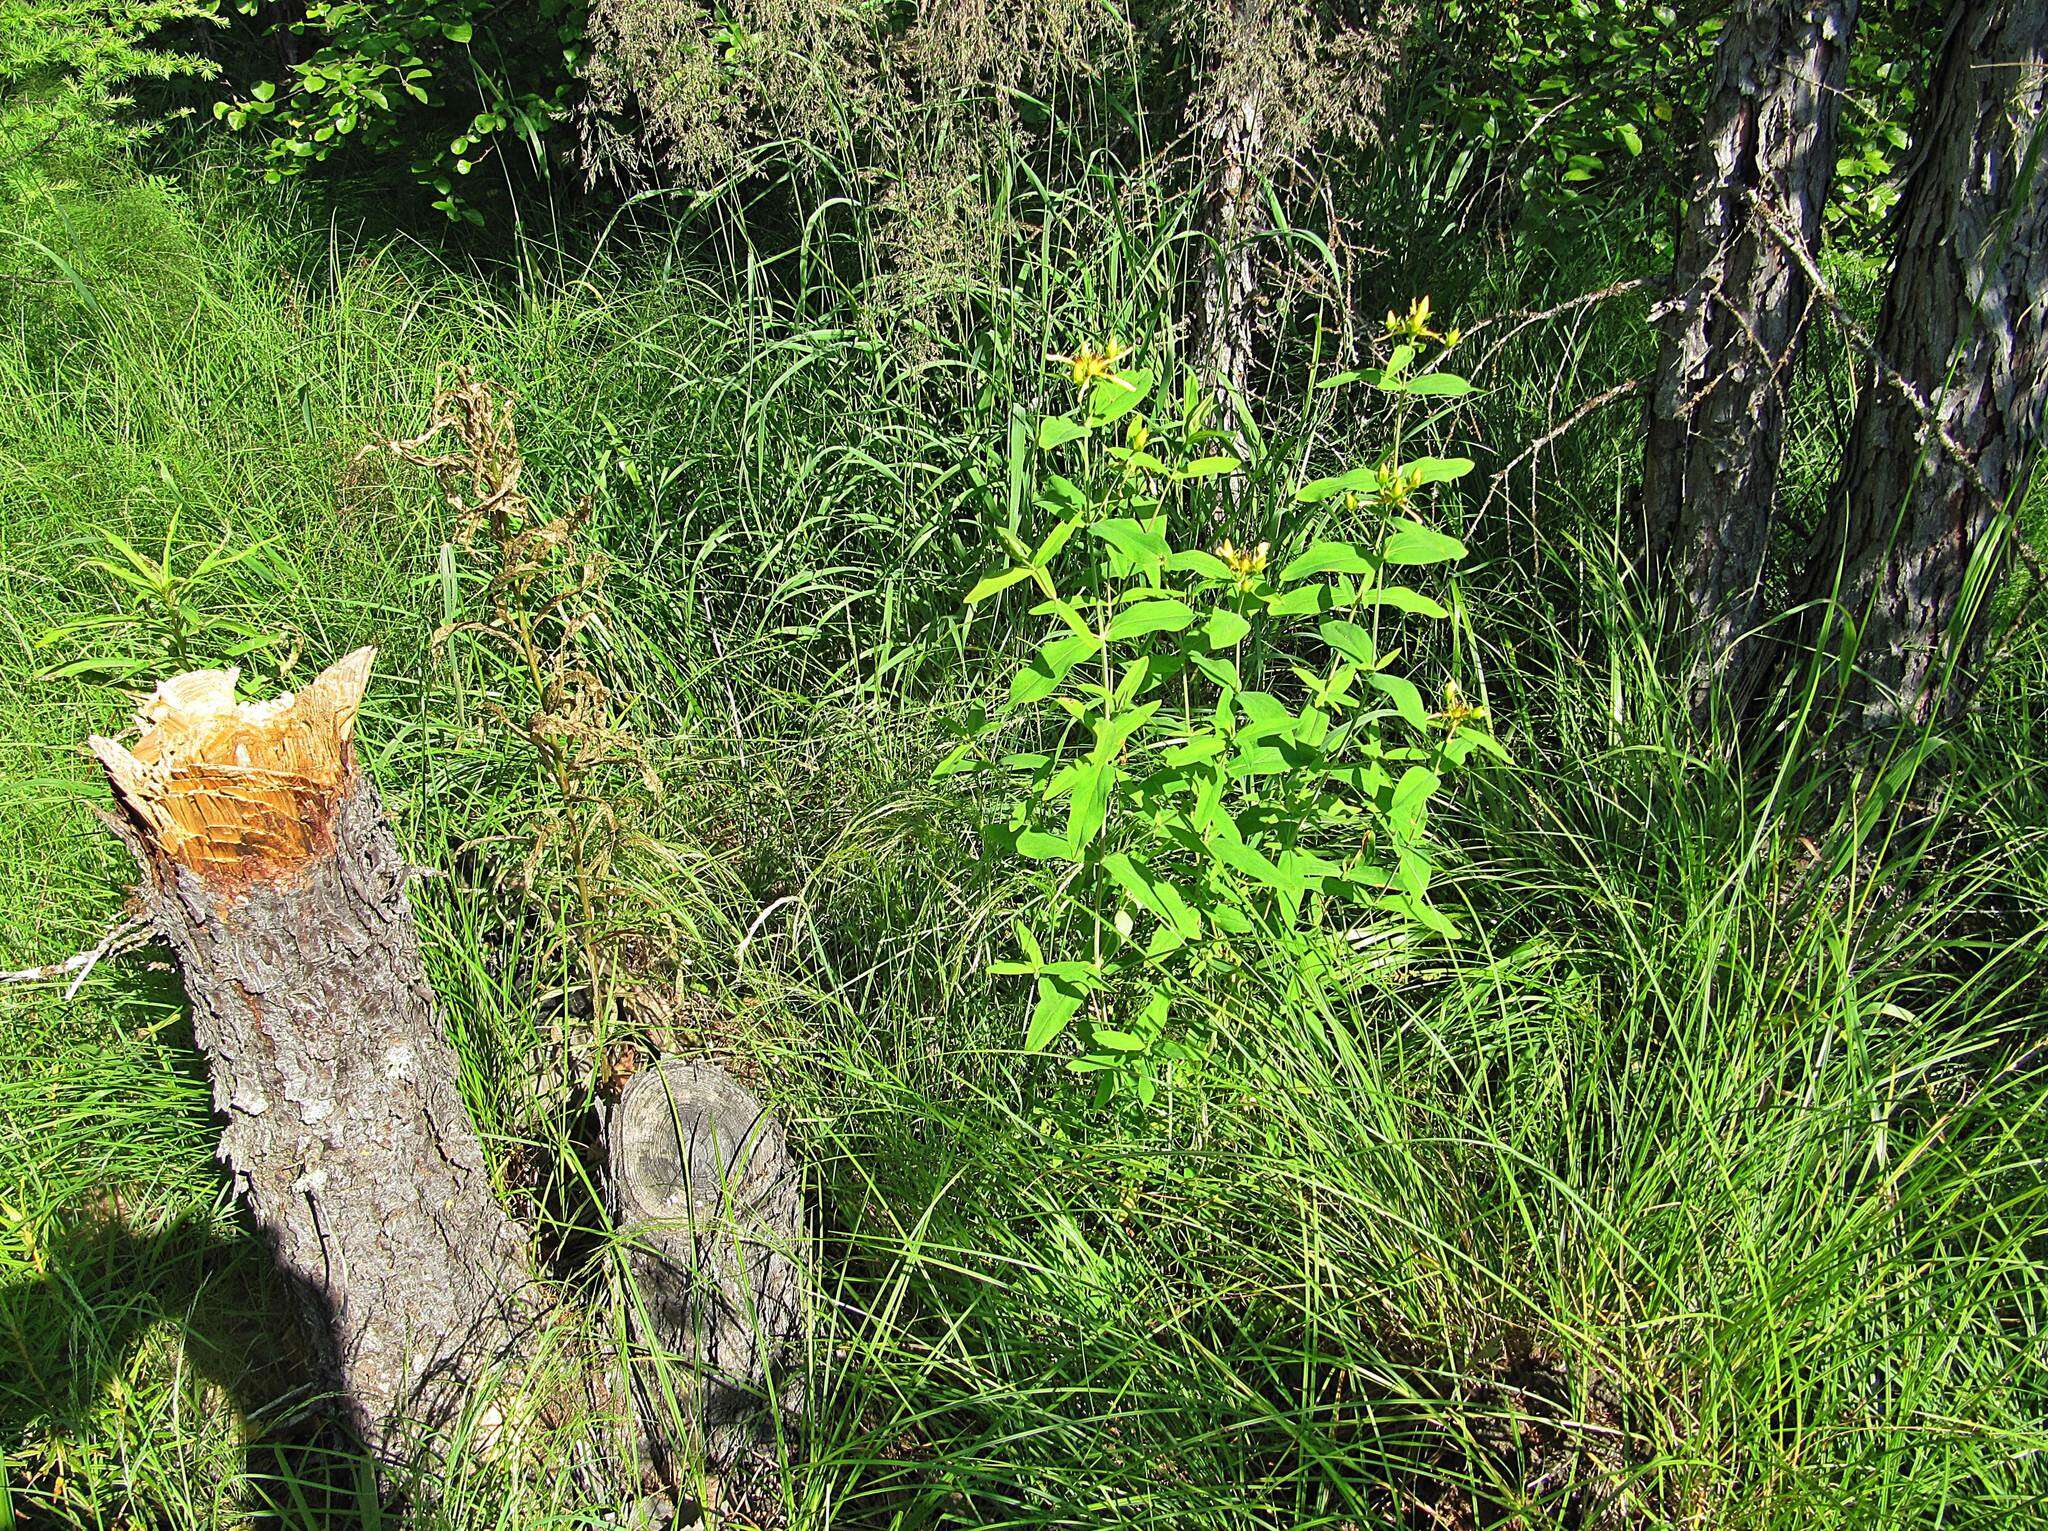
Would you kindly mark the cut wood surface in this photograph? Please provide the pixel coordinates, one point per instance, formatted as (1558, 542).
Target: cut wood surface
(706, 1196)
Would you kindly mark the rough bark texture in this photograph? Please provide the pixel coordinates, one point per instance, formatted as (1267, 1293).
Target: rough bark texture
(1233, 132)
(1230, 282)
(1963, 331)
(268, 868)
(707, 1198)
(1738, 313)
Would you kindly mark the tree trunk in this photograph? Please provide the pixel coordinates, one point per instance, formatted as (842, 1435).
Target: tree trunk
(1962, 344)
(268, 868)
(1235, 131)
(1737, 316)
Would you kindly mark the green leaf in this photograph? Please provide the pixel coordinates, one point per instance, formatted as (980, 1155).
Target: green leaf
(1058, 1003)
(1261, 760)
(1055, 657)
(1153, 894)
(1406, 699)
(1066, 612)
(1220, 668)
(1401, 598)
(1210, 467)
(1110, 736)
(989, 584)
(1241, 858)
(1089, 806)
(1421, 911)
(1133, 539)
(1225, 629)
(1264, 713)
(1150, 616)
(1409, 807)
(1058, 430)
(1201, 747)
(1438, 470)
(1062, 495)
(1328, 557)
(1414, 543)
(1307, 600)
(458, 31)
(956, 762)
(1442, 384)
(1055, 539)
(1195, 561)
(1357, 481)
(1115, 397)
(1350, 640)
(1040, 846)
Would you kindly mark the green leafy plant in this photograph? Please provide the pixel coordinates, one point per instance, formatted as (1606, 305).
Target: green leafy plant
(447, 84)
(68, 71)
(1223, 755)
(163, 620)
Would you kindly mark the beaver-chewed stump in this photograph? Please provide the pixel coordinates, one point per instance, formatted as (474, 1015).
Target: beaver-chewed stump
(707, 1201)
(269, 870)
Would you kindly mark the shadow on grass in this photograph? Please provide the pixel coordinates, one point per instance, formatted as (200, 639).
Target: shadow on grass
(114, 1275)
(70, 1339)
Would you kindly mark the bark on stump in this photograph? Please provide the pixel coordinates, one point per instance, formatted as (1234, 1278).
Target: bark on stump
(268, 868)
(707, 1199)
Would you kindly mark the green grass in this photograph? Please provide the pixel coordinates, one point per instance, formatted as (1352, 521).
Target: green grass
(1701, 1183)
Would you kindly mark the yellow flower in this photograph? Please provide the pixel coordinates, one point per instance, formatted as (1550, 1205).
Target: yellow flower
(1088, 366)
(1415, 325)
(1245, 564)
(1139, 434)
(1457, 711)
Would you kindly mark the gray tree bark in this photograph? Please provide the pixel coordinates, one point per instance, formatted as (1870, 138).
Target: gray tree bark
(1736, 317)
(268, 868)
(1948, 428)
(1234, 149)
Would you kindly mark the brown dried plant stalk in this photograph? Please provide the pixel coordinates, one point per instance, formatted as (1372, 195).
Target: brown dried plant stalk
(544, 590)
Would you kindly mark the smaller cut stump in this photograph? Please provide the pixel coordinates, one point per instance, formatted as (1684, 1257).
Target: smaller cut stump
(707, 1200)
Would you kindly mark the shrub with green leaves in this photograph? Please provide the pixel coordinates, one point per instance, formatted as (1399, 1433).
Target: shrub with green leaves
(1220, 757)
(67, 74)
(449, 85)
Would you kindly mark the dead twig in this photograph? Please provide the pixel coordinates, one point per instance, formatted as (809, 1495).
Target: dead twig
(1527, 317)
(125, 936)
(1599, 400)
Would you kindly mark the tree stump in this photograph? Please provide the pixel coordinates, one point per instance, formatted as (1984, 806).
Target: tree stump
(707, 1199)
(268, 868)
